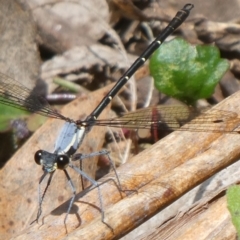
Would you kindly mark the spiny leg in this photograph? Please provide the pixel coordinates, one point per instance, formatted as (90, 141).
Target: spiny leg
(97, 185)
(41, 196)
(70, 182)
(80, 157)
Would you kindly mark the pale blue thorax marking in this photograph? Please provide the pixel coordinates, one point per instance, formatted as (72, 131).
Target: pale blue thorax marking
(69, 139)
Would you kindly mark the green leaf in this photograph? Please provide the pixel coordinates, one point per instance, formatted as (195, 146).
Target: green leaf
(187, 72)
(233, 201)
(9, 113)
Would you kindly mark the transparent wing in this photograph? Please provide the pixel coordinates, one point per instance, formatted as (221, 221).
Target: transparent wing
(174, 118)
(13, 93)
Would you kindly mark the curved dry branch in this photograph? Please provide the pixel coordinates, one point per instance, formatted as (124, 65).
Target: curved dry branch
(162, 174)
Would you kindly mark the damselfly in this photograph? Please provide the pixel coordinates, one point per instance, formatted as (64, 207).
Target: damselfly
(14, 94)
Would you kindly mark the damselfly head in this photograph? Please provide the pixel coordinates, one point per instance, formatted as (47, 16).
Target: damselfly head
(51, 161)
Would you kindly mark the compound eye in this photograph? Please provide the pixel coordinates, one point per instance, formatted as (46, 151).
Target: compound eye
(62, 161)
(38, 157)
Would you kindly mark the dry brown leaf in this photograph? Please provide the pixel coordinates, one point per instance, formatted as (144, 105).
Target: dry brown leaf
(20, 176)
(17, 42)
(225, 35)
(84, 58)
(66, 24)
